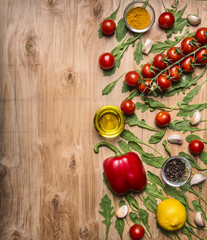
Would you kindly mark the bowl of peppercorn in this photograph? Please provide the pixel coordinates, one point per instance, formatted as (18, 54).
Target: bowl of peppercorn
(176, 171)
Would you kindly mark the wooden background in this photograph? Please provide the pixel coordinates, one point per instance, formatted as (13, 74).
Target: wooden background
(50, 90)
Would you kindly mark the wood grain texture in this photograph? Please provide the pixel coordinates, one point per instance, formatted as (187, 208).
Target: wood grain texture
(51, 181)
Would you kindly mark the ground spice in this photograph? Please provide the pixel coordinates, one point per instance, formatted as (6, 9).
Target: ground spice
(138, 18)
(174, 170)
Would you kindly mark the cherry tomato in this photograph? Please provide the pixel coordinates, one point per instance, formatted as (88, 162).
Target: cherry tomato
(189, 45)
(108, 26)
(160, 61)
(132, 78)
(163, 82)
(174, 54)
(162, 118)
(106, 60)
(146, 86)
(136, 231)
(201, 35)
(166, 20)
(148, 70)
(175, 73)
(201, 56)
(127, 107)
(196, 146)
(188, 64)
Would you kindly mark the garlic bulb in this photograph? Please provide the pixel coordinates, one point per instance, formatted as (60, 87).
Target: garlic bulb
(193, 20)
(175, 138)
(196, 179)
(199, 221)
(122, 211)
(147, 46)
(196, 118)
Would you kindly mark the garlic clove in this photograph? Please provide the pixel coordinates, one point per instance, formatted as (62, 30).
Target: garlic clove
(196, 179)
(147, 46)
(175, 138)
(196, 118)
(193, 20)
(199, 221)
(122, 211)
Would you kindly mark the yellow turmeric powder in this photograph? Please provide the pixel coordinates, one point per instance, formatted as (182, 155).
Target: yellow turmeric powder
(138, 18)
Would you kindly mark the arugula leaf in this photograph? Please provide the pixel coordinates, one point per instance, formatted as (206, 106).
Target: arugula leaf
(154, 179)
(112, 16)
(132, 202)
(106, 183)
(203, 157)
(144, 216)
(157, 137)
(164, 232)
(152, 160)
(141, 106)
(121, 30)
(183, 126)
(138, 56)
(136, 147)
(124, 146)
(152, 189)
(126, 87)
(108, 89)
(119, 225)
(150, 203)
(132, 120)
(155, 104)
(198, 208)
(187, 109)
(122, 203)
(107, 212)
(164, 143)
(134, 218)
(185, 231)
(191, 137)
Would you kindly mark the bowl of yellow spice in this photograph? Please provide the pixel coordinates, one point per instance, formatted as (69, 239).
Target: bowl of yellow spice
(139, 16)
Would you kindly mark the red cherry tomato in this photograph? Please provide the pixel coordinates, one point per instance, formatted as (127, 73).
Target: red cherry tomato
(175, 73)
(196, 146)
(148, 70)
(163, 82)
(106, 60)
(201, 56)
(136, 231)
(160, 61)
(162, 118)
(146, 86)
(108, 26)
(188, 64)
(127, 107)
(132, 78)
(166, 20)
(174, 54)
(201, 35)
(189, 45)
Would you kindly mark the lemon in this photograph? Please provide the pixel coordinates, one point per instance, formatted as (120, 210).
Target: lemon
(171, 214)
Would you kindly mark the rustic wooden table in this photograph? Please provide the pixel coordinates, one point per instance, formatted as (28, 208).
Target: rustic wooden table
(50, 90)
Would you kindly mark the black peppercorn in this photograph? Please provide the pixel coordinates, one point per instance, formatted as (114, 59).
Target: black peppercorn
(174, 170)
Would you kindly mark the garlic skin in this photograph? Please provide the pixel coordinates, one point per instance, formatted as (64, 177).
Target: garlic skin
(147, 46)
(195, 120)
(122, 211)
(196, 179)
(193, 20)
(199, 221)
(175, 139)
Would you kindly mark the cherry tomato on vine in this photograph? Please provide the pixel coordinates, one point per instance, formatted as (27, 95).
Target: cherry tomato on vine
(201, 35)
(160, 61)
(106, 61)
(146, 86)
(108, 26)
(201, 56)
(149, 70)
(163, 118)
(127, 107)
(188, 64)
(132, 78)
(196, 146)
(163, 82)
(175, 73)
(166, 20)
(136, 231)
(174, 54)
(189, 44)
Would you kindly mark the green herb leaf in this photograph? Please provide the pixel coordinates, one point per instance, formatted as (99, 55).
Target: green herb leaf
(126, 87)
(203, 157)
(106, 183)
(129, 136)
(108, 89)
(185, 231)
(164, 232)
(138, 56)
(152, 189)
(119, 225)
(122, 203)
(183, 125)
(121, 30)
(152, 160)
(141, 106)
(144, 216)
(191, 137)
(134, 218)
(198, 208)
(107, 212)
(150, 203)
(155, 104)
(136, 147)
(187, 110)
(154, 179)
(132, 202)
(157, 137)
(124, 146)
(164, 143)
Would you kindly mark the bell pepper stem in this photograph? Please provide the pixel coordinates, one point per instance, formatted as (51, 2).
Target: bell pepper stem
(109, 145)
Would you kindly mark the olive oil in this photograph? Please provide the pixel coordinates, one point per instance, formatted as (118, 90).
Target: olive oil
(109, 121)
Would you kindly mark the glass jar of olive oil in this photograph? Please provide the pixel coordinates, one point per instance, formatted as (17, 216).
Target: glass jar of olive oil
(109, 121)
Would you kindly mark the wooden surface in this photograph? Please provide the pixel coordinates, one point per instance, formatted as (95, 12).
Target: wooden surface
(50, 90)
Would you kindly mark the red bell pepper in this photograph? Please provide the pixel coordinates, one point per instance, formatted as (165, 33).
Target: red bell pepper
(124, 172)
